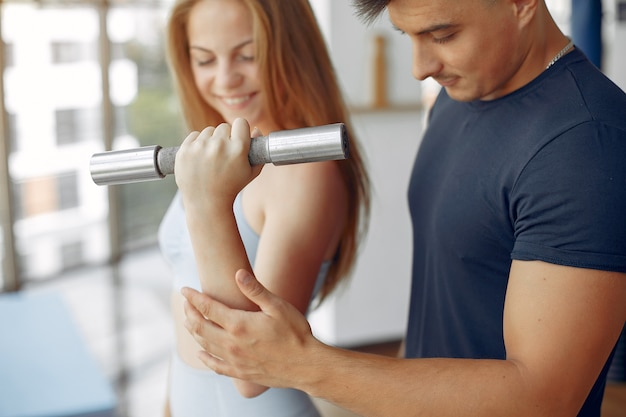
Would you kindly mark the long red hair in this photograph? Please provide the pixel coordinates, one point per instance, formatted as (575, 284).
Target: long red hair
(303, 91)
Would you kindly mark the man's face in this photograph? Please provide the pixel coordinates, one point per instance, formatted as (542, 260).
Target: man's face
(470, 47)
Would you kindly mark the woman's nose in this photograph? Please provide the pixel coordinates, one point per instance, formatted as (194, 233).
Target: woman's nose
(228, 76)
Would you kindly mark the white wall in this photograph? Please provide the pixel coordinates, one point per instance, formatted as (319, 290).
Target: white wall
(350, 44)
(373, 305)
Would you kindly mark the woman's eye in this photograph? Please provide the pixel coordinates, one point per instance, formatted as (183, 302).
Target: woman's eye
(203, 62)
(246, 58)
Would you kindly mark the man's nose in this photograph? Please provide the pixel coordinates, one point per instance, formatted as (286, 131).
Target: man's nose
(425, 61)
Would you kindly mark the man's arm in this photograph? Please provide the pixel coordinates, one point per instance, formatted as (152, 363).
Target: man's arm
(560, 324)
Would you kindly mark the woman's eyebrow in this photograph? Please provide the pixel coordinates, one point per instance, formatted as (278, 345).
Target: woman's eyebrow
(238, 46)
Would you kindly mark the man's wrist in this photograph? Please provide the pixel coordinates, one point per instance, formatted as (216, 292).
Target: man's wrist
(317, 368)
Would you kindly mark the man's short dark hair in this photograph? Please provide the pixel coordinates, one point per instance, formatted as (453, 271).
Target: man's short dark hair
(369, 10)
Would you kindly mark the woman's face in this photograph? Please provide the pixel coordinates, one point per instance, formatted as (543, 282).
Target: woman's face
(223, 62)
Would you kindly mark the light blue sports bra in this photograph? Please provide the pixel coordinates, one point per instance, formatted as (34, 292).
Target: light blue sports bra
(175, 244)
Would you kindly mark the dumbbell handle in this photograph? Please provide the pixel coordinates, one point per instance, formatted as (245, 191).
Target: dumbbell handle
(309, 144)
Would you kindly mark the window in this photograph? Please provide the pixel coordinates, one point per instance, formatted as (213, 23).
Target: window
(66, 52)
(54, 95)
(8, 55)
(71, 254)
(75, 125)
(38, 196)
(12, 131)
(67, 191)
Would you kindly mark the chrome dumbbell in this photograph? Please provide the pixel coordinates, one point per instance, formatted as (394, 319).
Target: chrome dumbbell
(310, 144)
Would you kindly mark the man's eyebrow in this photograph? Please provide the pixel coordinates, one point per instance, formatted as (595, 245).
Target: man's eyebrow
(396, 28)
(433, 28)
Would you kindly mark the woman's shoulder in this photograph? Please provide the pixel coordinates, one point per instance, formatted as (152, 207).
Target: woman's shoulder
(305, 177)
(303, 187)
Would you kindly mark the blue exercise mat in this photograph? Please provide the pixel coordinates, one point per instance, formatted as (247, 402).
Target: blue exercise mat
(46, 369)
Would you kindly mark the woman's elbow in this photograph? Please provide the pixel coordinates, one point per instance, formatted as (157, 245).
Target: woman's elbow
(249, 389)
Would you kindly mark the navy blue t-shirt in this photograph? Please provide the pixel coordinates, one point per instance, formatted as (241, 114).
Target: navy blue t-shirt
(539, 174)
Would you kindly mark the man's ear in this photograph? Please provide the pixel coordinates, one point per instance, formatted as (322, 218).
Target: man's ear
(525, 10)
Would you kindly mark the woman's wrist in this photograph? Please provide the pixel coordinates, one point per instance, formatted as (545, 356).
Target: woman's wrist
(195, 205)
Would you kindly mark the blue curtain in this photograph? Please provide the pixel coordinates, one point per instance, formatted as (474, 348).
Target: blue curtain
(586, 22)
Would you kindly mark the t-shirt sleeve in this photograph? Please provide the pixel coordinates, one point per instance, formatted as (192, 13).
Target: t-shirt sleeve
(569, 203)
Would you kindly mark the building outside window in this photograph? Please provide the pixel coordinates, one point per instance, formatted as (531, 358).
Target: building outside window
(58, 110)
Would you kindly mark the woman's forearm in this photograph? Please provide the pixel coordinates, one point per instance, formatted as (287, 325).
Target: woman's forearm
(219, 251)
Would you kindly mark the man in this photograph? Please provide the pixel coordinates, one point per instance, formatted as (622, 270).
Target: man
(518, 202)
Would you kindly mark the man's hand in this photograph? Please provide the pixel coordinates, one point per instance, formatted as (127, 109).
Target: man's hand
(264, 347)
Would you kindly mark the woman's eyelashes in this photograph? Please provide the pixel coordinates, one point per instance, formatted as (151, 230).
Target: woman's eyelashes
(203, 62)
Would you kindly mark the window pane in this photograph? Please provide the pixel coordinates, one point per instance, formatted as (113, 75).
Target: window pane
(55, 122)
(148, 117)
(75, 125)
(53, 95)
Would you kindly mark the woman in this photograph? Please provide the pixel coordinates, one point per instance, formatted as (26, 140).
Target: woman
(295, 226)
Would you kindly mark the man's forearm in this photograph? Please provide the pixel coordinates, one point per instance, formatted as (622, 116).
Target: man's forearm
(541, 377)
(380, 386)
